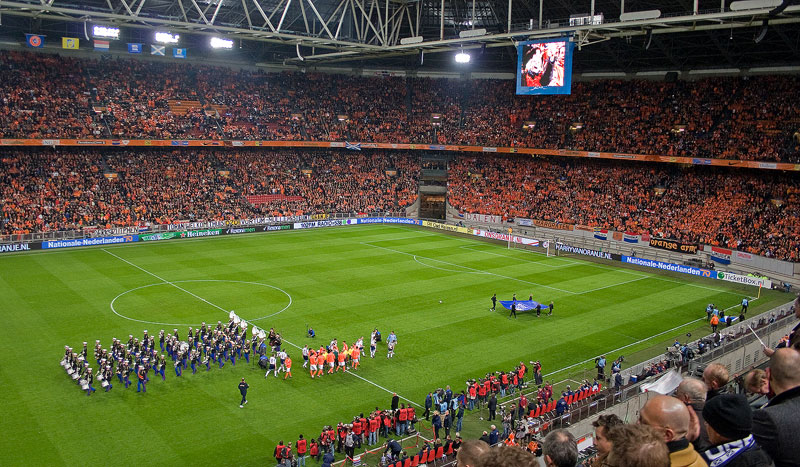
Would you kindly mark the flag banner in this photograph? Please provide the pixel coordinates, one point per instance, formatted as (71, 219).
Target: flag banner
(134, 48)
(600, 234)
(157, 50)
(523, 305)
(352, 146)
(179, 53)
(721, 255)
(742, 256)
(72, 43)
(34, 40)
(102, 46)
(631, 237)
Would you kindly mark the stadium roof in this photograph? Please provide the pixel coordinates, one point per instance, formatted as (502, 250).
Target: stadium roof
(615, 35)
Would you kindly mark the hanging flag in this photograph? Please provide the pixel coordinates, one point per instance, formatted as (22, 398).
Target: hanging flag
(34, 40)
(157, 50)
(102, 46)
(631, 237)
(721, 255)
(134, 48)
(352, 146)
(179, 53)
(70, 43)
(600, 234)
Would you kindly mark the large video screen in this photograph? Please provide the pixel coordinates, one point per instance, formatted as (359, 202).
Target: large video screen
(544, 67)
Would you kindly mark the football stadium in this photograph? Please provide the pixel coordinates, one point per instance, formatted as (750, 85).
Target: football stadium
(400, 233)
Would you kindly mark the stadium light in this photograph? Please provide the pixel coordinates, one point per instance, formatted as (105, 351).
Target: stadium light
(105, 32)
(219, 43)
(167, 38)
(462, 57)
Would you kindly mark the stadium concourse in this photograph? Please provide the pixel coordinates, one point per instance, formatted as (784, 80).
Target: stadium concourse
(742, 118)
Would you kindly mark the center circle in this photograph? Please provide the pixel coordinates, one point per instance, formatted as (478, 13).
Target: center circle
(155, 299)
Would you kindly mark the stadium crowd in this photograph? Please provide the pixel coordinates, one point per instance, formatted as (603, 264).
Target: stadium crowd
(51, 190)
(753, 212)
(744, 118)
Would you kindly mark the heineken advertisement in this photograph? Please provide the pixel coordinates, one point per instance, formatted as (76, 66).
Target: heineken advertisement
(186, 234)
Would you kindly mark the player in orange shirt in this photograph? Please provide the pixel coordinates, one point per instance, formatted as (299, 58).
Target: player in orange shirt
(288, 364)
(312, 358)
(331, 359)
(355, 356)
(341, 358)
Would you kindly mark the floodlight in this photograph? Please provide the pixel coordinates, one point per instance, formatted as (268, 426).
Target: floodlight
(105, 32)
(219, 43)
(462, 57)
(167, 38)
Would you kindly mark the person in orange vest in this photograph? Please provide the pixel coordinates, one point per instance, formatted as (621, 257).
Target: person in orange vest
(374, 425)
(714, 323)
(402, 418)
(301, 451)
(340, 358)
(313, 450)
(279, 452)
(288, 364)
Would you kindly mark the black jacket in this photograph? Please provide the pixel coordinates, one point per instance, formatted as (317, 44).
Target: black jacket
(776, 428)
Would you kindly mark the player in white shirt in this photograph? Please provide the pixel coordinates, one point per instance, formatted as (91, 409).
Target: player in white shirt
(272, 361)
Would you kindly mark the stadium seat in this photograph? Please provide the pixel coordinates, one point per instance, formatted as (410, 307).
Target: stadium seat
(439, 452)
(449, 450)
(431, 457)
(415, 461)
(552, 406)
(407, 462)
(569, 400)
(538, 411)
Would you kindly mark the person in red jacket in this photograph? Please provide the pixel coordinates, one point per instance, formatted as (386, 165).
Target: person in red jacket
(411, 416)
(301, 451)
(374, 425)
(313, 450)
(357, 430)
(402, 418)
(279, 452)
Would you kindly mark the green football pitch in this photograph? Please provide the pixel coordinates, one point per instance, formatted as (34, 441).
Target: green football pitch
(344, 282)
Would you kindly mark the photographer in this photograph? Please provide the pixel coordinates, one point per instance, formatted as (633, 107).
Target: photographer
(600, 364)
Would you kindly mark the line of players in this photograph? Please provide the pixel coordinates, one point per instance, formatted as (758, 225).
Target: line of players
(203, 346)
(333, 356)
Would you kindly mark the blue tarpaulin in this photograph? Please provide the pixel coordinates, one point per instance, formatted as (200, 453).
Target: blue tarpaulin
(523, 305)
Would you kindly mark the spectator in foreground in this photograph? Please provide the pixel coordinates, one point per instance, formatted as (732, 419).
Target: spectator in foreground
(560, 449)
(470, 452)
(728, 420)
(506, 456)
(636, 445)
(715, 376)
(756, 384)
(776, 427)
(601, 427)
(692, 392)
(670, 417)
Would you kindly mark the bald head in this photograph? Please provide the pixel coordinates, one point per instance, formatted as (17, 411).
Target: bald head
(666, 414)
(716, 376)
(470, 451)
(691, 390)
(784, 370)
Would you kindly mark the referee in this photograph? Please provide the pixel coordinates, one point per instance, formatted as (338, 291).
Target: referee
(243, 389)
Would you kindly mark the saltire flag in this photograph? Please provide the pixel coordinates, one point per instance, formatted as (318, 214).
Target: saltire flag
(134, 48)
(157, 50)
(352, 146)
(102, 46)
(179, 53)
(34, 40)
(631, 237)
(600, 234)
(72, 43)
(721, 255)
